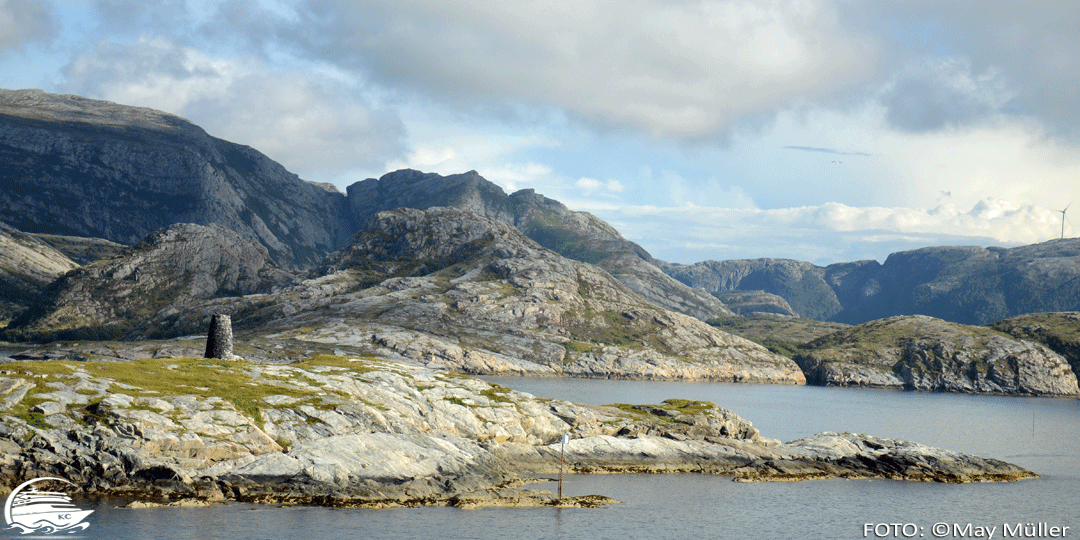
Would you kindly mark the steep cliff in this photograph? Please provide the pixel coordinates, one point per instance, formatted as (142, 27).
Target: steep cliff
(1058, 331)
(81, 167)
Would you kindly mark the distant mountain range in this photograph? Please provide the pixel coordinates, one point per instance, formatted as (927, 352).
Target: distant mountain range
(969, 285)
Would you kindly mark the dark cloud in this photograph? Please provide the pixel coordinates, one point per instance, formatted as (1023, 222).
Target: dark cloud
(23, 22)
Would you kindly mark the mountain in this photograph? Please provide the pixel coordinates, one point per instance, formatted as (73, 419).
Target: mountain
(577, 235)
(80, 167)
(923, 353)
(451, 288)
(970, 285)
(159, 277)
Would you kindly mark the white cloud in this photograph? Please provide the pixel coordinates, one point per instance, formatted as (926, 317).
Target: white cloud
(314, 124)
(589, 186)
(825, 233)
(23, 22)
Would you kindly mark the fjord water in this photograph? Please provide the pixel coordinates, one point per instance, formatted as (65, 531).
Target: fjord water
(1041, 434)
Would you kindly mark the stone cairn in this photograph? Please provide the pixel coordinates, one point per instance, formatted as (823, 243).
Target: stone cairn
(219, 341)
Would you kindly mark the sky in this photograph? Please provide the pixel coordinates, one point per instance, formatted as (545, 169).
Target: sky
(823, 131)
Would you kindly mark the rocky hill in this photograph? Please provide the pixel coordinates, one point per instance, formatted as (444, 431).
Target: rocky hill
(970, 285)
(923, 353)
(576, 235)
(80, 167)
(454, 289)
(357, 431)
(27, 266)
(171, 269)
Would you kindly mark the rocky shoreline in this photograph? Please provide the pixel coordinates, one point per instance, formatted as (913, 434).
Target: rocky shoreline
(347, 431)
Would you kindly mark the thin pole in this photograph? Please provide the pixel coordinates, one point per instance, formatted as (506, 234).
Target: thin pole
(562, 461)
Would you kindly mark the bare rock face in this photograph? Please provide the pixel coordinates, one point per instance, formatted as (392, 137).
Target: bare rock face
(27, 265)
(923, 353)
(170, 269)
(83, 167)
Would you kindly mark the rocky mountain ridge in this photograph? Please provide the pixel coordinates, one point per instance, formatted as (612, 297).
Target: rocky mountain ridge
(969, 285)
(442, 287)
(576, 235)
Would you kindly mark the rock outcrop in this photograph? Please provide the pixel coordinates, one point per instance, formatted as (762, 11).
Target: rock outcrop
(756, 303)
(153, 280)
(344, 431)
(81, 167)
(922, 353)
(1058, 331)
(454, 289)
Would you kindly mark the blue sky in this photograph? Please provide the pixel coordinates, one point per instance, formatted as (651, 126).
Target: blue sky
(824, 131)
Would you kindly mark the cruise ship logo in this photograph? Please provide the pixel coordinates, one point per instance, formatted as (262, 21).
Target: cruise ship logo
(30, 510)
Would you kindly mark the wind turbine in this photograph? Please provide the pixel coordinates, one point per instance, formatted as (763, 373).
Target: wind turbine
(1063, 219)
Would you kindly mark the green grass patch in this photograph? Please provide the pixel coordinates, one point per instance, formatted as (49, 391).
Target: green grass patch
(497, 394)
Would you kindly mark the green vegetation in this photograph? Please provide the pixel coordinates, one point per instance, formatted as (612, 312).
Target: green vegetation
(231, 380)
(497, 394)
(781, 335)
(656, 412)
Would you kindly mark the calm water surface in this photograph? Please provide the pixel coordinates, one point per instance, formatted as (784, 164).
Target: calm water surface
(1038, 433)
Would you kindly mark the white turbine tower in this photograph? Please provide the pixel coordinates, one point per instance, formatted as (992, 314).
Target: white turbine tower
(1063, 219)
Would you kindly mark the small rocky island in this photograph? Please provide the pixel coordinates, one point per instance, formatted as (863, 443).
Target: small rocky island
(341, 430)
